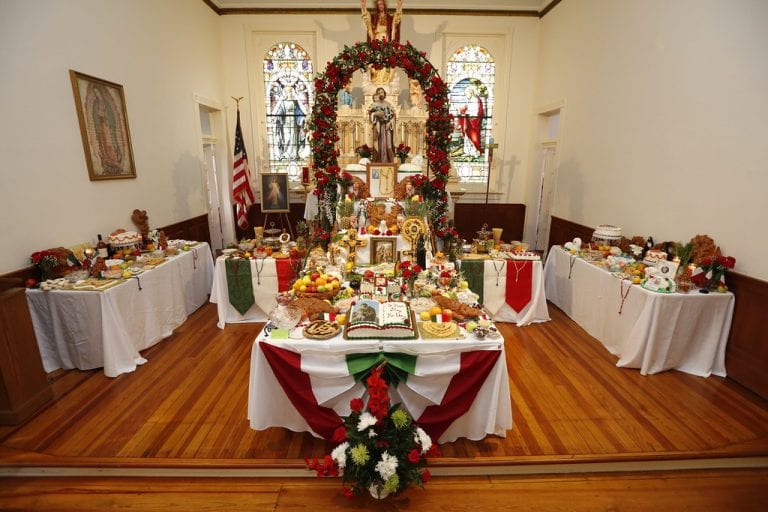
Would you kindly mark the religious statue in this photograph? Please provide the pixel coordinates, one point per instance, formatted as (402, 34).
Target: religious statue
(382, 117)
(345, 95)
(470, 121)
(382, 24)
(415, 93)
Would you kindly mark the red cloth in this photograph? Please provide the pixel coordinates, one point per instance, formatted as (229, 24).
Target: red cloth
(519, 283)
(286, 366)
(462, 390)
(286, 273)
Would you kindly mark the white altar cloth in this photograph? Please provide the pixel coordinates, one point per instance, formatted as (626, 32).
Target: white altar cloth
(268, 405)
(494, 294)
(654, 331)
(90, 329)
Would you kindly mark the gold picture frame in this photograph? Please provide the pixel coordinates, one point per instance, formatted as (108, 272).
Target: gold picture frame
(274, 193)
(103, 119)
(383, 250)
(381, 179)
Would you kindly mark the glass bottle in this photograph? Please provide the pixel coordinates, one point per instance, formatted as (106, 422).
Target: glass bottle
(101, 248)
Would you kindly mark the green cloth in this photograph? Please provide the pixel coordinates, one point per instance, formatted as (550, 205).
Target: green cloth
(239, 284)
(474, 274)
(397, 366)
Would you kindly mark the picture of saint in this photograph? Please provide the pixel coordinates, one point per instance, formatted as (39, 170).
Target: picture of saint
(383, 251)
(274, 192)
(382, 24)
(289, 111)
(470, 122)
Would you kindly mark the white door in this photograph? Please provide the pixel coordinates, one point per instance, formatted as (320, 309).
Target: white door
(213, 194)
(547, 174)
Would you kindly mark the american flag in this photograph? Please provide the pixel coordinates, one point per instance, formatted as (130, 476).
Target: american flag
(241, 178)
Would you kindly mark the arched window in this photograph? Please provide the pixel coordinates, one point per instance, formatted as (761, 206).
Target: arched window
(288, 96)
(471, 76)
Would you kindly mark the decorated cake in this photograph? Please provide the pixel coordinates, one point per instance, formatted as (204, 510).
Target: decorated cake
(653, 257)
(370, 319)
(607, 232)
(121, 239)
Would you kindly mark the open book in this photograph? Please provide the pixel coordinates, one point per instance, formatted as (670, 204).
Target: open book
(372, 319)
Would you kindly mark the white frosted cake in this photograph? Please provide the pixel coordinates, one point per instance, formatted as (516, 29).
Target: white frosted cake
(370, 319)
(607, 232)
(124, 239)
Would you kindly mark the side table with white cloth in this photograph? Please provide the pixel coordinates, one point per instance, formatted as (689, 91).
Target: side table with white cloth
(268, 276)
(647, 330)
(93, 329)
(510, 290)
(453, 389)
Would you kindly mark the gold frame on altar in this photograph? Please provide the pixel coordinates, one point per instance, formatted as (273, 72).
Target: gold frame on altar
(377, 243)
(382, 179)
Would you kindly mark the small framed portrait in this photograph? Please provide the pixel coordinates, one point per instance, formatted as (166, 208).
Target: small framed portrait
(382, 179)
(382, 250)
(104, 130)
(274, 193)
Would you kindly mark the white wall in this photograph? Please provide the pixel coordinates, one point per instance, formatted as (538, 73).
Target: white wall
(515, 69)
(162, 52)
(664, 120)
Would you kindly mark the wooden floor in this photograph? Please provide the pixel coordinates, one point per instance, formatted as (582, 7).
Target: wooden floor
(573, 410)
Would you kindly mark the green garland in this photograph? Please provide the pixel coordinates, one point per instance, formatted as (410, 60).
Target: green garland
(338, 72)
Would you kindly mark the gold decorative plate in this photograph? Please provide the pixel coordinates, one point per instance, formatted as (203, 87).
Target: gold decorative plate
(413, 228)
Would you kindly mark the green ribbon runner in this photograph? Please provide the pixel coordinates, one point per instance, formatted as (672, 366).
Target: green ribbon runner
(397, 366)
(474, 273)
(239, 284)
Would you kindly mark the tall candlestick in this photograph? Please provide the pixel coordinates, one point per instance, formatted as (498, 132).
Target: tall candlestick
(305, 174)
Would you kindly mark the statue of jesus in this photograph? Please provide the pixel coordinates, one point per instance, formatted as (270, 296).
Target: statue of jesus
(382, 24)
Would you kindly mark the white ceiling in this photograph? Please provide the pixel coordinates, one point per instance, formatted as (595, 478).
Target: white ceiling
(510, 5)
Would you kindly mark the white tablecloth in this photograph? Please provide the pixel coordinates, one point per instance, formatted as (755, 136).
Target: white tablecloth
(264, 281)
(89, 329)
(654, 331)
(494, 294)
(268, 405)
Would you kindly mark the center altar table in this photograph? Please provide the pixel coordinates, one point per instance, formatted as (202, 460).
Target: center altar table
(647, 330)
(93, 329)
(453, 388)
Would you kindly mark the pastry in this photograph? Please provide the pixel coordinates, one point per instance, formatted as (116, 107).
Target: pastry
(321, 330)
(440, 330)
(312, 307)
(460, 310)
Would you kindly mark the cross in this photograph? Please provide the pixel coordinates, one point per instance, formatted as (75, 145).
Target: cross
(352, 242)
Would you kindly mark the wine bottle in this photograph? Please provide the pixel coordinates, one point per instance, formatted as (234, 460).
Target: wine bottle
(101, 248)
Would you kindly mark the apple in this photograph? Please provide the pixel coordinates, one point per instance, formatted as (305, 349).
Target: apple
(471, 326)
(321, 288)
(303, 288)
(315, 276)
(30, 283)
(447, 315)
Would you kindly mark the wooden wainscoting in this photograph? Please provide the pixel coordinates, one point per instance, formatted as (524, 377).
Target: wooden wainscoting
(470, 217)
(746, 357)
(195, 228)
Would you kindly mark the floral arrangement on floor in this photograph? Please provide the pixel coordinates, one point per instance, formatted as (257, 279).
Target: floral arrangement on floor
(710, 274)
(439, 126)
(402, 151)
(381, 451)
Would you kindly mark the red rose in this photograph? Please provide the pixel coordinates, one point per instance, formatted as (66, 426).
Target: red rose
(434, 451)
(417, 268)
(349, 493)
(356, 404)
(425, 476)
(414, 456)
(730, 262)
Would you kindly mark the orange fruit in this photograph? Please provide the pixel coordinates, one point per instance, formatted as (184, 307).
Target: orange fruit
(435, 310)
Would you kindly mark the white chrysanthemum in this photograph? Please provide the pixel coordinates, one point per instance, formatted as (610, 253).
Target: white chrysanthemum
(387, 466)
(366, 420)
(371, 433)
(339, 454)
(423, 439)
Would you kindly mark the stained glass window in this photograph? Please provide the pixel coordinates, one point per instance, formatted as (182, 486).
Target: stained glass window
(471, 76)
(288, 96)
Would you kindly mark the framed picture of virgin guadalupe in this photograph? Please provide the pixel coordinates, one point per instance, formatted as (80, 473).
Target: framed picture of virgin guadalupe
(103, 120)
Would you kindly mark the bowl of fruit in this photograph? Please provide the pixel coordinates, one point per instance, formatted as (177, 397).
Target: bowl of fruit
(317, 285)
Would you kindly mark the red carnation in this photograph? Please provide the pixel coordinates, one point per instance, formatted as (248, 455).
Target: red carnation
(425, 476)
(417, 268)
(356, 404)
(414, 456)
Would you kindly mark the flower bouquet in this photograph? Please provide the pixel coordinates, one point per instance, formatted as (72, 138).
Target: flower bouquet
(409, 273)
(710, 274)
(364, 151)
(402, 152)
(55, 263)
(382, 450)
